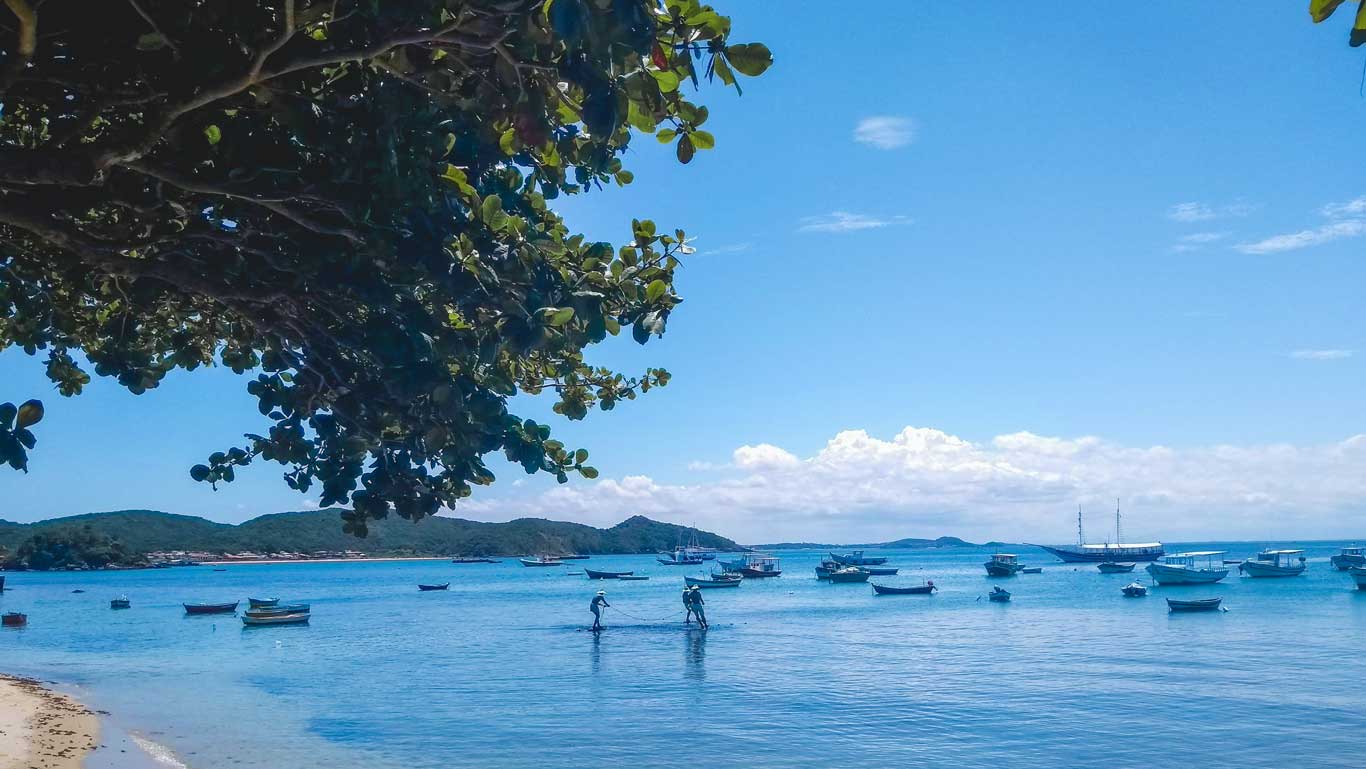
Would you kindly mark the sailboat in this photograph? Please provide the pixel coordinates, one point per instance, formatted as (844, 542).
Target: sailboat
(1119, 552)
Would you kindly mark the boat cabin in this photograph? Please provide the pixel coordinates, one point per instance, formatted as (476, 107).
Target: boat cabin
(1196, 559)
(1353, 550)
(1280, 557)
(763, 563)
(1005, 558)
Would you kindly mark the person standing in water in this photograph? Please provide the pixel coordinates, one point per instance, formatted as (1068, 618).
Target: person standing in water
(687, 604)
(695, 599)
(599, 603)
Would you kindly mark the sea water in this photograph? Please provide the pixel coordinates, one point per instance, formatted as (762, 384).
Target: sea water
(794, 672)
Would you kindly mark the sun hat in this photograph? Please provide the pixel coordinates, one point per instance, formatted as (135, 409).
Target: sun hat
(602, 592)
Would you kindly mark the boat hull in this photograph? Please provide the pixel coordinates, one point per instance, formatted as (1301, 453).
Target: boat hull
(210, 608)
(710, 583)
(1345, 562)
(913, 590)
(606, 574)
(1262, 569)
(667, 562)
(997, 569)
(760, 573)
(262, 620)
(1073, 555)
(860, 576)
(257, 603)
(1163, 574)
(1359, 576)
(1135, 590)
(430, 588)
(1110, 567)
(1199, 604)
(531, 563)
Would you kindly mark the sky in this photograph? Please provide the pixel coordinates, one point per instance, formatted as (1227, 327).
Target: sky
(961, 268)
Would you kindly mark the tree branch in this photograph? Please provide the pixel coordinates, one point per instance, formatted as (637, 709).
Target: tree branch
(175, 50)
(26, 44)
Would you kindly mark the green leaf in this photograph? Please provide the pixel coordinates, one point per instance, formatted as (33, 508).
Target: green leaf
(613, 327)
(1359, 27)
(1320, 10)
(666, 135)
(588, 472)
(668, 81)
(152, 41)
(492, 209)
(703, 140)
(655, 290)
(7, 412)
(749, 58)
(30, 414)
(561, 316)
(199, 472)
(457, 177)
(580, 456)
(213, 134)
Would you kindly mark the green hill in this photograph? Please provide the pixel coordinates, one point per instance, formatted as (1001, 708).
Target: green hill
(144, 531)
(902, 544)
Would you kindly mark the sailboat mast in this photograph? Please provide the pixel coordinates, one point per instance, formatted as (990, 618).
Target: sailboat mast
(1119, 532)
(1081, 539)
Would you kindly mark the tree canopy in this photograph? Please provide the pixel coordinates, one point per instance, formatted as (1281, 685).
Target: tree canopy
(350, 200)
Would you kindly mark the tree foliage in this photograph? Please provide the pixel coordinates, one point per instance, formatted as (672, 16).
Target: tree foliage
(1320, 10)
(352, 201)
(71, 548)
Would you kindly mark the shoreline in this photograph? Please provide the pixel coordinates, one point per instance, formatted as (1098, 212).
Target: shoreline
(378, 559)
(40, 727)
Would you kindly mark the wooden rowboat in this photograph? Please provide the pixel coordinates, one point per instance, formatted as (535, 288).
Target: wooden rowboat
(1198, 604)
(210, 608)
(121, 602)
(287, 608)
(540, 562)
(256, 603)
(849, 574)
(607, 574)
(14, 619)
(426, 588)
(258, 619)
(999, 595)
(700, 582)
(925, 589)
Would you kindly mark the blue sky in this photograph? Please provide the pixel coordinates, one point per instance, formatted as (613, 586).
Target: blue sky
(1132, 233)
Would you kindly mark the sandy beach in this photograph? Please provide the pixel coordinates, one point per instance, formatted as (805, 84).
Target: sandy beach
(42, 729)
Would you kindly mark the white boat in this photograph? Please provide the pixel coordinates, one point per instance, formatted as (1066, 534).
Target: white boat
(1003, 565)
(1274, 563)
(1198, 567)
(1359, 576)
(541, 560)
(1352, 555)
(1135, 590)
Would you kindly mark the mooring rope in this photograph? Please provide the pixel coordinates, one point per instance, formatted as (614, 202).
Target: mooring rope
(643, 619)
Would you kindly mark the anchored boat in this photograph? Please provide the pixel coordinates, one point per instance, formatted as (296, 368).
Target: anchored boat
(1198, 604)
(210, 608)
(1120, 551)
(707, 583)
(594, 574)
(1352, 555)
(849, 574)
(681, 556)
(121, 602)
(1194, 568)
(857, 558)
(1003, 565)
(429, 588)
(13, 619)
(926, 589)
(1111, 567)
(998, 595)
(757, 566)
(541, 560)
(1135, 590)
(263, 617)
(1274, 563)
(257, 603)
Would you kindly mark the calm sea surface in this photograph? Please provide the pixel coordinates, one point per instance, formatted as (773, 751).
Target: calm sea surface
(498, 671)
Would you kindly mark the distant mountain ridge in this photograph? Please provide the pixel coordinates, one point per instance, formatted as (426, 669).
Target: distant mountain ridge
(903, 544)
(144, 531)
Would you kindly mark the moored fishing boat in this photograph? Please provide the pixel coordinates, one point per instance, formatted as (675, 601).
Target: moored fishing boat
(708, 583)
(13, 619)
(210, 608)
(849, 574)
(290, 608)
(1274, 563)
(1352, 555)
(1089, 552)
(594, 574)
(857, 558)
(1196, 604)
(925, 589)
(1003, 565)
(257, 603)
(540, 560)
(1113, 567)
(759, 565)
(1135, 590)
(121, 602)
(999, 595)
(881, 571)
(1197, 567)
(429, 588)
(680, 557)
(1032, 570)
(1359, 576)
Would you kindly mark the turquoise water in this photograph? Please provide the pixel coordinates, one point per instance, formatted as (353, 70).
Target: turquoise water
(498, 671)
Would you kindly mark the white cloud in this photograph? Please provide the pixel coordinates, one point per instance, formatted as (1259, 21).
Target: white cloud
(1195, 211)
(1305, 238)
(1015, 487)
(1321, 354)
(1203, 237)
(1348, 221)
(885, 132)
(844, 221)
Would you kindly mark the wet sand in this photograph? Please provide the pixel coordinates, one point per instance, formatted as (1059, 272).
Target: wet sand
(43, 729)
